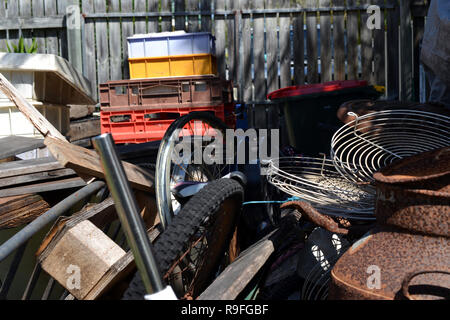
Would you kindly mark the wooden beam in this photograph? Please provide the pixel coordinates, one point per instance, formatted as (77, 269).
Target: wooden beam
(50, 22)
(87, 162)
(406, 52)
(12, 145)
(237, 275)
(87, 250)
(29, 111)
(22, 167)
(33, 177)
(8, 204)
(84, 129)
(43, 187)
(24, 212)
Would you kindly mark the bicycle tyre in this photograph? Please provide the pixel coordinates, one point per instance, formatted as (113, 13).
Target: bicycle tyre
(204, 206)
(163, 161)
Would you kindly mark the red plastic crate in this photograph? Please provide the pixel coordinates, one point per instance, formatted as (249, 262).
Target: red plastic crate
(138, 125)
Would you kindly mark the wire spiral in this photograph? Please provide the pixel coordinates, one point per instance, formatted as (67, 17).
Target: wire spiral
(370, 142)
(318, 182)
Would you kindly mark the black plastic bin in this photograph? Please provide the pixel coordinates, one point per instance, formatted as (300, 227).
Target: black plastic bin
(310, 111)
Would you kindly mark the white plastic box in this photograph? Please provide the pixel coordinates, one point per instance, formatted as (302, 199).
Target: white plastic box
(46, 81)
(170, 44)
(13, 122)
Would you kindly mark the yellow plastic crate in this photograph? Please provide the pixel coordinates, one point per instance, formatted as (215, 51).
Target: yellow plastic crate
(173, 66)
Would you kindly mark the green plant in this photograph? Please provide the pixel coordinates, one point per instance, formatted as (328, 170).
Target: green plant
(21, 47)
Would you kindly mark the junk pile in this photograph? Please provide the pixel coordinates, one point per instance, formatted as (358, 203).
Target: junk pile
(409, 245)
(375, 215)
(368, 220)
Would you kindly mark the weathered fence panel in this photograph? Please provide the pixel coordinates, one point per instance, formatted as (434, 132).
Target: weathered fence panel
(261, 45)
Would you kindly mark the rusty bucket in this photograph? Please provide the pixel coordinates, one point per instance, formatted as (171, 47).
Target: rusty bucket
(407, 255)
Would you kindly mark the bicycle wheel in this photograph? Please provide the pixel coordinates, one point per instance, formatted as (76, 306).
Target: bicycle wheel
(191, 128)
(190, 251)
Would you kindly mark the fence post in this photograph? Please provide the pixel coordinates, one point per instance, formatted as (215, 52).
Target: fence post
(406, 52)
(73, 23)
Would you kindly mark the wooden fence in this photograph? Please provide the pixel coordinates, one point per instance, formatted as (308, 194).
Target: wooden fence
(262, 45)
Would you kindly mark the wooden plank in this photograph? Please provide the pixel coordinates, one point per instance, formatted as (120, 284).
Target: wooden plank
(25, 12)
(33, 177)
(117, 272)
(140, 23)
(379, 51)
(298, 48)
(115, 44)
(180, 21)
(127, 31)
(28, 110)
(406, 55)
(73, 34)
(206, 23)
(87, 162)
(24, 214)
(43, 187)
(166, 22)
(339, 41)
(192, 21)
(62, 34)
(311, 43)
(220, 34)
(245, 55)
(99, 215)
(325, 42)
(15, 168)
(271, 48)
(152, 23)
(285, 45)
(102, 50)
(8, 204)
(12, 13)
(84, 129)
(51, 36)
(86, 247)
(237, 275)
(418, 29)
(34, 23)
(233, 41)
(258, 54)
(89, 59)
(39, 34)
(393, 62)
(3, 39)
(366, 48)
(352, 42)
(12, 145)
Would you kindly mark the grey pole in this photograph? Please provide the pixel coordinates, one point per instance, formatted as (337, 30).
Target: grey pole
(128, 213)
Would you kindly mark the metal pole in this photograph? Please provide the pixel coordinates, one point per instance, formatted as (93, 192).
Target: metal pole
(33, 227)
(128, 213)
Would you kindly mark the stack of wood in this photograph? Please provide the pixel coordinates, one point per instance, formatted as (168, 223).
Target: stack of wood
(81, 239)
(22, 180)
(83, 125)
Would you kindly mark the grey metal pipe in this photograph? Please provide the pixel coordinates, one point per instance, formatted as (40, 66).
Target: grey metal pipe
(128, 213)
(40, 222)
